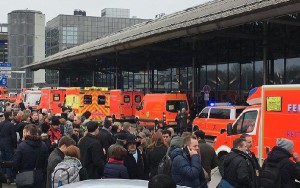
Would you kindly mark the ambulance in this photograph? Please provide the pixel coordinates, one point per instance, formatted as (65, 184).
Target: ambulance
(123, 104)
(274, 112)
(52, 99)
(93, 99)
(160, 109)
(3, 93)
(32, 97)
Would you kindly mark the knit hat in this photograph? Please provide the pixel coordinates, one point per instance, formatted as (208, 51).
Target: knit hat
(285, 143)
(92, 126)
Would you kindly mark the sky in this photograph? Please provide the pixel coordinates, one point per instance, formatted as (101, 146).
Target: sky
(140, 8)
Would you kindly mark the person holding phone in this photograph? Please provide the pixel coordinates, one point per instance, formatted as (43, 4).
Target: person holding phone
(186, 164)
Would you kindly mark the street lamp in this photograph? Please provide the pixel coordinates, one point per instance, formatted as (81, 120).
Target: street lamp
(22, 77)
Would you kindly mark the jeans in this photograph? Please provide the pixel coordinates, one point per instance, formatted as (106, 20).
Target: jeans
(7, 155)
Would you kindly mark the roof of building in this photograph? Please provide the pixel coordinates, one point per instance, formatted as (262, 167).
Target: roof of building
(210, 16)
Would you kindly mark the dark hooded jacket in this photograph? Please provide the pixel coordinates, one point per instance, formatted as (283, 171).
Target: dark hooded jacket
(8, 137)
(187, 171)
(238, 170)
(32, 154)
(289, 170)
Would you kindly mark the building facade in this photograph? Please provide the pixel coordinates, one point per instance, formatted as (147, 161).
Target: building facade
(26, 36)
(66, 31)
(3, 42)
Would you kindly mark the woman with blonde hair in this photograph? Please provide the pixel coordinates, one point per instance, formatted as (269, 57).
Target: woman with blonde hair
(155, 152)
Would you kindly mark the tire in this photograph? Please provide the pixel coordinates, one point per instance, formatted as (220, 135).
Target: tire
(221, 165)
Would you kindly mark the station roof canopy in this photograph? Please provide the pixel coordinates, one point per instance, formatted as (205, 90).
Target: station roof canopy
(208, 17)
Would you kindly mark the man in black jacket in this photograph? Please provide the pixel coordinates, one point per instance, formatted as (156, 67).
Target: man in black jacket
(105, 137)
(289, 171)
(8, 141)
(209, 159)
(238, 169)
(91, 152)
(57, 156)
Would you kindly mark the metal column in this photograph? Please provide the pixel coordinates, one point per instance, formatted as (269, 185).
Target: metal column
(265, 55)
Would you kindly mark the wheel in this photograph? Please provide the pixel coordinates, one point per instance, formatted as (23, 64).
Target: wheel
(221, 165)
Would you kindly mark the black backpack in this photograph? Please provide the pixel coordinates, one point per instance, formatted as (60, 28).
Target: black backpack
(270, 176)
(164, 166)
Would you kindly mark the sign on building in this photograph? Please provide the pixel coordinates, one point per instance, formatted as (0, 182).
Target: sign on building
(5, 68)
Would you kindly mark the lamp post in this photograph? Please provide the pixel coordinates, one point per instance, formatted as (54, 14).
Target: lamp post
(22, 77)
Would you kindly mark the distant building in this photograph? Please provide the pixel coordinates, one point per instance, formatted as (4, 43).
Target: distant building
(3, 42)
(26, 36)
(67, 31)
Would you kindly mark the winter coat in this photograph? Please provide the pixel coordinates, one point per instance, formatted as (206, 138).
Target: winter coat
(238, 169)
(106, 139)
(68, 128)
(209, 159)
(183, 119)
(136, 169)
(115, 169)
(8, 136)
(91, 153)
(55, 157)
(154, 156)
(289, 171)
(26, 156)
(187, 171)
(54, 134)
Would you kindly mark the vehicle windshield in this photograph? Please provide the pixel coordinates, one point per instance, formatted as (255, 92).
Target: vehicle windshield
(176, 105)
(246, 122)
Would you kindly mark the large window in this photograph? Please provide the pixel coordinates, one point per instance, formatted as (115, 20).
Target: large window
(234, 76)
(247, 76)
(219, 113)
(70, 35)
(246, 122)
(222, 76)
(293, 71)
(176, 105)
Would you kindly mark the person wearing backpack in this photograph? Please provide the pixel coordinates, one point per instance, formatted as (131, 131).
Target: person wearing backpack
(69, 170)
(238, 169)
(278, 170)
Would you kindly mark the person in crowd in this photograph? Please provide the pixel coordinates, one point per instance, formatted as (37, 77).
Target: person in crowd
(105, 137)
(18, 117)
(148, 136)
(161, 181)
(35, 118)
(24, 121)
(178, 121)
(289, 170)
(8, 142)
(70, 169)
(115, 129)
(141, 137)
(85, 117)
(186, 167)
(91, 152)
(22, 105)
(32, 154)
(155, 152)
(139, 129)
(134, 160)
(115, 168)
(45, 124)
(71, 117)
(183, 120)
(78, 121)
(167, 136)
(193, 110)
(252, 156)
(57, 155)
(126, 128)
(172, 132)
(67, 126)
(76, 136)
(54, 131)
(209, 159)
(238, 170)
(120, 141)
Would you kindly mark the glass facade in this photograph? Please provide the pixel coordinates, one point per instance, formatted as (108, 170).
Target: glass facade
(3, 42)
(66, 31)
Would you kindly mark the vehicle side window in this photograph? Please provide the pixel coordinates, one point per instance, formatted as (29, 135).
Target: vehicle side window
(219, 113)
(87, 99)
(101, 99)
(142, 105)
(126, 99)
(137, 98)
(246, 123)
(56, 97)
(204, 113)
(175, 105)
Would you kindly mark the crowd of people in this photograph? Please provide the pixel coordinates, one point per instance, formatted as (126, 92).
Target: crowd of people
(66, 148)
